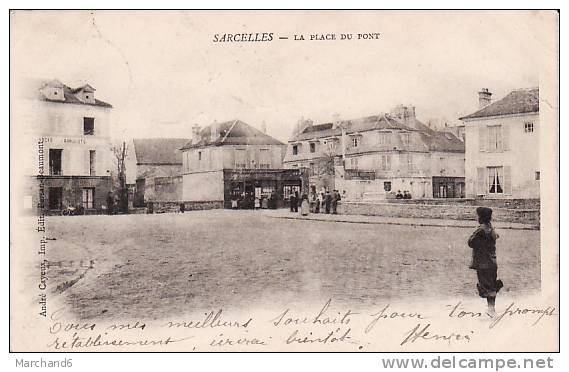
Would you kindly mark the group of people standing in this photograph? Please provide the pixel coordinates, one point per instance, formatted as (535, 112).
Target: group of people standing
(250, 201)
(324, 202)
(405, 195)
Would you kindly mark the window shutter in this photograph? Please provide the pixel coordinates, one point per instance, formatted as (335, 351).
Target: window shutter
(505, 138)
(483, 137)
(481, 181)
(491, 135)
(507, 180)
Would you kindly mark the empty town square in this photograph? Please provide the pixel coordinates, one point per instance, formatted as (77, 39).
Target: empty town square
(156, 266)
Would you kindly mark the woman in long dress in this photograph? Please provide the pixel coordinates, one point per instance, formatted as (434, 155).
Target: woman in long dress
(304, 206)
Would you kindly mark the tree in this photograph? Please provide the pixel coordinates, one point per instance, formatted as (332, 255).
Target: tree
(120, 153)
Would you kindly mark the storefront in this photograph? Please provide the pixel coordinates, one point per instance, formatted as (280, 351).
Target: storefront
(274, 186)
(60, 192)
(448, 187)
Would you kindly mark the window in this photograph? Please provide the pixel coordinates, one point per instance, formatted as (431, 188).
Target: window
(384, 138)
(264, 159)
(92, 167)
(495, 138)
(88, 126)
(495, 180)
(88, 194)
(354, 141)
(537, 176)
(295, 149)
(410, 165)
(312, 147)
(289, 190)
(387, 186)
(405, 139)
(240, 158)
(199, 155)
(386, 162)
(354, 163)
(330, 145)
(55, 156)
(312, 169)
(528, 127)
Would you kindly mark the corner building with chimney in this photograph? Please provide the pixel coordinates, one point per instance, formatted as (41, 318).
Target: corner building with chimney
(502, 146)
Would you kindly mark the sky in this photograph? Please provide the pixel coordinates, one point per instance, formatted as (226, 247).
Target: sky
(163, 73)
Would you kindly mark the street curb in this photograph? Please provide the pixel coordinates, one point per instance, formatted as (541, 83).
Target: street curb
(529, 227)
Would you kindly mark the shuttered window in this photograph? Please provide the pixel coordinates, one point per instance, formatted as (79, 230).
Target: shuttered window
(507, 180)
(480, 181)
(494, 138)
(386, 162)
(482, 137)
(505, 138)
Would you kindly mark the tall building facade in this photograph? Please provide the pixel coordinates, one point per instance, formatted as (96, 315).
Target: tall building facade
(73, 162)
(502, 146)
(376, 156)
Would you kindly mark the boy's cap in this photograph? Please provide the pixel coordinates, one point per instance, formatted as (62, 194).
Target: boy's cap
(484, 212)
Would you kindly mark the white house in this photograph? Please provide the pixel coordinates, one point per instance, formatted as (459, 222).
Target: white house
(502, 146)
(70, 129)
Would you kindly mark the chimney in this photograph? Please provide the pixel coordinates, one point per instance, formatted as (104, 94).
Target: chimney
(264, 127)
(335, 120)
(214, 131)
(302, 124)
(404, 113)
(484, 98)
(196, 134)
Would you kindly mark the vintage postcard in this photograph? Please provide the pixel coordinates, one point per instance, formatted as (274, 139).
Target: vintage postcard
(360, 181)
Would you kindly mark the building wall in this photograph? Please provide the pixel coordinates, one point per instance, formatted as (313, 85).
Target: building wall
(447, 164)
(163, 188)
(53, 125)
(400, 158)
(521, 155)
(419, 187)
(216, 158)
(408, 209)
(194, 189)
(61, 127)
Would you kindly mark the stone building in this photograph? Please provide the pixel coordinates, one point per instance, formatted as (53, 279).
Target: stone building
(502, 146)
(376, 156)
(233, 160)
(70, 128)
(155, 168)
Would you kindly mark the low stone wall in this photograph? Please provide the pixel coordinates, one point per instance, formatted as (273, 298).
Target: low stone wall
(491, 203)
(412, 209)
(174, 206)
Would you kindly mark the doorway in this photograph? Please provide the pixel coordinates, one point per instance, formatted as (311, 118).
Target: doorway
(55, 196)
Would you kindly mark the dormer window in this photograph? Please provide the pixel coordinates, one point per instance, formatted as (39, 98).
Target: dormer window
(85, 94)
